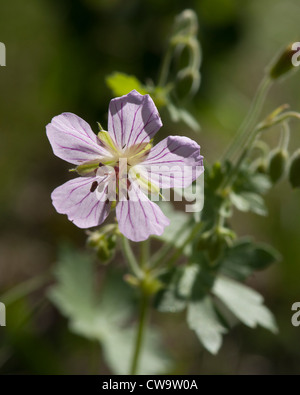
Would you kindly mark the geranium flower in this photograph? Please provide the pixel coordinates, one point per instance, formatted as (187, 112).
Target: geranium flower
(117, 168)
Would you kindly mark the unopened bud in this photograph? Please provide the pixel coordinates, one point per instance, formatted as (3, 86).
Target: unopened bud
(287, 61)
(277, 164)
(260, 166)
(104, 242)
(294, 170)
(214, 242)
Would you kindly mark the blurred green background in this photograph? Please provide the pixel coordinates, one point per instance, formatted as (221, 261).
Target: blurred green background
(58, 54)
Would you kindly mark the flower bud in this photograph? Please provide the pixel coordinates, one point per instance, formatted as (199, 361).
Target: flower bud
(285, 62)
(214, 242)
(294, 170)
(104, 242)
(277, 164)
(260, 166)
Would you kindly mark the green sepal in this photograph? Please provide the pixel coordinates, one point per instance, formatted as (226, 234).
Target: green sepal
(87, 167)
(106, 140)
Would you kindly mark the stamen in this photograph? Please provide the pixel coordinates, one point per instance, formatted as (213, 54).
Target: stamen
(101, 164)
(94, 186)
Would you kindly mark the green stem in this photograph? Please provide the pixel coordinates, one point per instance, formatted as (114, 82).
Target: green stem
(132, 262)
(144, 307)
(188, 239)
(145, 253)
(163, 77)
(279, 119)
(285, 136)
(231, 175)
(249, 122)
(159, 257)
(247, 133)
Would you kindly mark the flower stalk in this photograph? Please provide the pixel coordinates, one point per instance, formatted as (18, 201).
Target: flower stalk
(244, 133)
(130, 257)
(144, 312)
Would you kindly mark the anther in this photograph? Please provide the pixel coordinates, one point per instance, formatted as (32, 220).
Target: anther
(94, 186)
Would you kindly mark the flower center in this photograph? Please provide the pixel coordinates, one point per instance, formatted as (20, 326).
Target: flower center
(113, 169)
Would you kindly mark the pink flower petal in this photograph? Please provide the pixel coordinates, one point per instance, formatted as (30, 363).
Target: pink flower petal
(133, 119)
(175, 162)
(138, 217)
(83, 207)
(73, 140)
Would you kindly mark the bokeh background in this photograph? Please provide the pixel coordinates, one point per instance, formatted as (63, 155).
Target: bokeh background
(58, 55)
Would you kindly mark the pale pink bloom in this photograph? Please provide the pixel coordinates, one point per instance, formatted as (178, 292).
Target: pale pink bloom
(121, 163)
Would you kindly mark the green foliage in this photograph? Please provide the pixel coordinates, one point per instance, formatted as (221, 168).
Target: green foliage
(245, 303)
(206, 285)
(203, 319)
(121, 84)
(178, 287)
(245, 257)
(247, 190)
(192, 287)
(248, 180)
(203, 314)
(103, 317)
(249, 201)
(76, 82)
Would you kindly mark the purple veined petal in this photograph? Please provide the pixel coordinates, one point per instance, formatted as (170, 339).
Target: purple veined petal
(133, 119)
(138, 217)
(82, 206)
(73, 140)
(175, 162)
